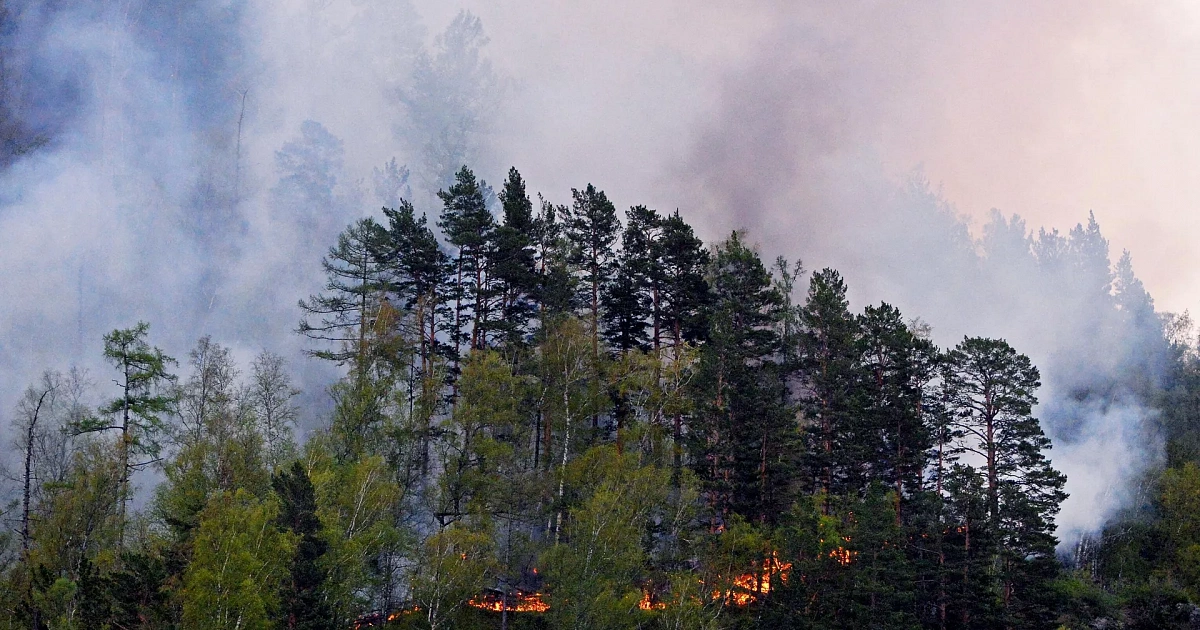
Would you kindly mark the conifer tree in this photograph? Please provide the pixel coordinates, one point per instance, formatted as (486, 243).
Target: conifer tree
(301, 601)
(418, 275)
(683, 292)
(469, 227)
(514, 264)
(629, 300)
(556, 286)
(592, 228)
(342, 316)
(743, 436)
(892, 432)
(991, 394)
(138, 413)
(829, 356)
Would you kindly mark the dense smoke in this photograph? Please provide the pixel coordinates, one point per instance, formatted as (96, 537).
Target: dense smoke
(187, 164)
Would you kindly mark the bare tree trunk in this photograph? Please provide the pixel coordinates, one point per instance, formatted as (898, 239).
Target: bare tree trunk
(27, 485)
(562, 475)
(124, 489)
(237, 158)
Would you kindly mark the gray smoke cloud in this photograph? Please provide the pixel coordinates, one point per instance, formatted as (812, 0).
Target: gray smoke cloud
(195, 159)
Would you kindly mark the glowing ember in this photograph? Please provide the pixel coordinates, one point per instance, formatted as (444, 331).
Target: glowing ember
(517, 602)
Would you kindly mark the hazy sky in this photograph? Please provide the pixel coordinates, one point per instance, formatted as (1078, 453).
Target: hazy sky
(1046, 109)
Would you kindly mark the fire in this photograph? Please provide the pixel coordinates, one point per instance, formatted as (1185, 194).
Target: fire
(648, 603)
(396, 615)
(749, 586)
(518, 602)
(373, 619)
(843, 556)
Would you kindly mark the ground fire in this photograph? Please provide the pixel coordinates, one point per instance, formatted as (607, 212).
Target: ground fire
(746, 590)
(518, 602)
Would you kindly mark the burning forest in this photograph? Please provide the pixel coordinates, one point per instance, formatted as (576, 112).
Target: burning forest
(664, 427)
(287, 343)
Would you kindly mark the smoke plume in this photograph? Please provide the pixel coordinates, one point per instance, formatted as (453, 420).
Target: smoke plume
(188, 163)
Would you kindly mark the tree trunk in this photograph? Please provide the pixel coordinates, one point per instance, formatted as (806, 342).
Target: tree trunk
(124, 499)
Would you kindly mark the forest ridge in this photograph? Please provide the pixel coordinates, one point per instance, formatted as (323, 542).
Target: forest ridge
(556, 419)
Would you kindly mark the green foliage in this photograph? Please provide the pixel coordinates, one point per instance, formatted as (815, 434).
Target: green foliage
(593, 572)
(744, 434)
(341, 316)
(452, 567)
(478, 456)
(355, 503)
(238, 560)
(142, 376)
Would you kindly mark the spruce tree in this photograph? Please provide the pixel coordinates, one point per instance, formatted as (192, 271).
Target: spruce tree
(301, 602)
(743, 436)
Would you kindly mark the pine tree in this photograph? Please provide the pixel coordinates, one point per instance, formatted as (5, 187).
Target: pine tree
(683, 290)
(991, 394)
(679, 304)
(514, 262)
(418, 276)
(469, 227)
(556, 286)
(896, 366)
(592, 228)
(829, 358)
(343, 315)
(629, 299)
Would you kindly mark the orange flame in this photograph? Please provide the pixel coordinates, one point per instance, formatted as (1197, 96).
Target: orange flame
(518, 602)
(747, 587)
(843, 556)
(396, 615)
(648, 603)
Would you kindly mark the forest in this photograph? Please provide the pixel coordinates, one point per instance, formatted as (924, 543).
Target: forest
(552, 418)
